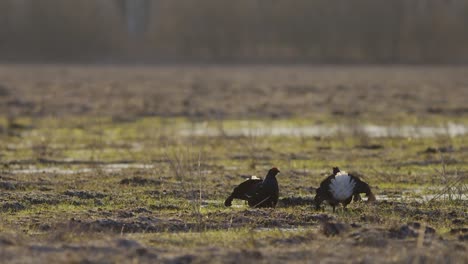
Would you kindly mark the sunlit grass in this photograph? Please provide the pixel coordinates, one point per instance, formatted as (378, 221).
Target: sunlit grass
(143, 174)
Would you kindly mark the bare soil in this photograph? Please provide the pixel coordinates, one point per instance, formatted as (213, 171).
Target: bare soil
(94, 169)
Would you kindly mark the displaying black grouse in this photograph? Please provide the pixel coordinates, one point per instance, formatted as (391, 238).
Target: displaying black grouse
(340, 187)
(257, 192)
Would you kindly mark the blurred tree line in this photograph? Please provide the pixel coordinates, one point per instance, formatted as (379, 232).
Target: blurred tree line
(330, 31)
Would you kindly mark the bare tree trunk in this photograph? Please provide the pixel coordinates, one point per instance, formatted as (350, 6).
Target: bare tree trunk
(19, 12)
(137, 15)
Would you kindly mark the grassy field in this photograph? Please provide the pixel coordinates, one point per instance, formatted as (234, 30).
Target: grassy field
(132, 164)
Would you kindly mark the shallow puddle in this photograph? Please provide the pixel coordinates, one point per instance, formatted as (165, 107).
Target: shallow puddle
(113, 167)
(422, 198)
(268, 129)
(286, 229)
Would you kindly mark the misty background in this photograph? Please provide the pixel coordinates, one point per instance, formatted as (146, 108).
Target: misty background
(315, 31)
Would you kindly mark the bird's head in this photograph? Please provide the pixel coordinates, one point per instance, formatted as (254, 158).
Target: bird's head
(318, 199)
(273, 171)
(335, 170)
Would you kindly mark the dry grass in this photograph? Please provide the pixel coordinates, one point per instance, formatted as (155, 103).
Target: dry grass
(119, 187)
(346, 94)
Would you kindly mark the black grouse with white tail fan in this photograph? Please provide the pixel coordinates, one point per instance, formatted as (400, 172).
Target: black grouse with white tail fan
(340, 187)
(257, 192)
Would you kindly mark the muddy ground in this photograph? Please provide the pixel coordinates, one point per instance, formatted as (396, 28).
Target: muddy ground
(115, 164)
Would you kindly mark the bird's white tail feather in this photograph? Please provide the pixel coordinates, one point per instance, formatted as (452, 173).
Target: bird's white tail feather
(342, 187)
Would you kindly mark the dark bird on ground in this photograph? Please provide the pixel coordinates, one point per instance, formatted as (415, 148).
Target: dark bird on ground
(341, 187)
(257, 192)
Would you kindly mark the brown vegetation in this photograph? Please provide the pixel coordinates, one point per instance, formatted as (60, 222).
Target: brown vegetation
(213, 92)
(93, 168)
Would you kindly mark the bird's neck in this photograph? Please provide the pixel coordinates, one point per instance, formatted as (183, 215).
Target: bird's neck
(270, 178)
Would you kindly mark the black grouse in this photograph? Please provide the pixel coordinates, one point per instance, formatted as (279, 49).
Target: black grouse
(257, 192)
(340, 187)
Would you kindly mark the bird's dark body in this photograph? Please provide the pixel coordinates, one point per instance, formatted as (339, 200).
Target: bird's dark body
(243, 191)
(323, 193)
(257, 192)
